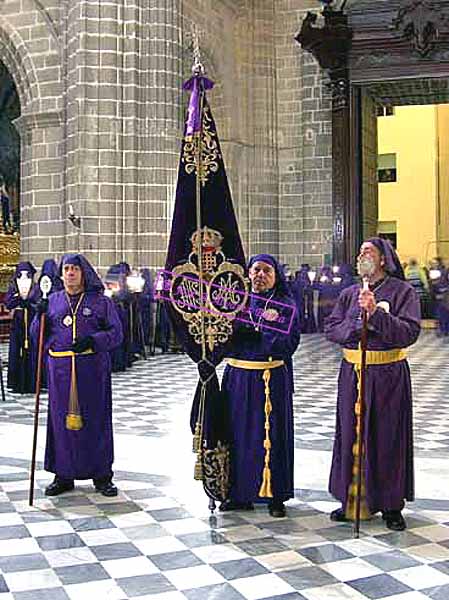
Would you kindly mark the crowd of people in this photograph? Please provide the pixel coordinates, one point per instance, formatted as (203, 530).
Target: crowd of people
(86, 325)
(316, 291)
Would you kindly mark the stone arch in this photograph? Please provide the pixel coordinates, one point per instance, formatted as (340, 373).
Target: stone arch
(40, 127)
(18, 62)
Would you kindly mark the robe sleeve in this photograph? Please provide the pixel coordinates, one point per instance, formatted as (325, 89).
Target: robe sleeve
(400, 330)
(344, 324)
(278, 344)
(12, 299)
(111, 334)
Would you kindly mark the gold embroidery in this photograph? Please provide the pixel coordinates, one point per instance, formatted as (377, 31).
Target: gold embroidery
(210, 306)
(210, 154)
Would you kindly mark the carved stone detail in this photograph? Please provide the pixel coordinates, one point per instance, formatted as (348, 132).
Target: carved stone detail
(418, 22)
(330, 42)
(339, 89)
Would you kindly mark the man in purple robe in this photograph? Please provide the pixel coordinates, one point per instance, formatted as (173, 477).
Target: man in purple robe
(393, 324)
(258, 377)
(21, 374)
(82, 326)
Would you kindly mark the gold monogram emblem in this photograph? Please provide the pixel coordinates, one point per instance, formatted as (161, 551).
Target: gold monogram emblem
(210, 304)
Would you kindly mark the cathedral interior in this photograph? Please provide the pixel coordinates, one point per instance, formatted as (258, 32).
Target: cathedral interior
(333, 124)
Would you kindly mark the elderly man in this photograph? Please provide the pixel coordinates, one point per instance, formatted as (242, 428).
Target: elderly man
(82, 326)
(258, 383)
(393, 313)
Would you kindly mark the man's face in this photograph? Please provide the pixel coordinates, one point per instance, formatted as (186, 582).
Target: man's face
(262, 276)
(369, 251)
(72, 277)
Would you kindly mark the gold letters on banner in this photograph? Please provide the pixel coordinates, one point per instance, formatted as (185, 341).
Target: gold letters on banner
(224, 290)
(210, 154)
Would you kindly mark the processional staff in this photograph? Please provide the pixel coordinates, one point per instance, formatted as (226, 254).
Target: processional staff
(45, 286)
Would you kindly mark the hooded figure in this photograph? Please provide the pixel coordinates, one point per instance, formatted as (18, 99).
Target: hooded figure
(50, 268)
(146, 300)
(21, 364)
(82, 326)
(258, 384)
(393, 324)
(116, 280)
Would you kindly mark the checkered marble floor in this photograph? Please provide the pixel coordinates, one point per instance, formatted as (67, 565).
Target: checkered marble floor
(158, 540)
(147, 396)
(154, 542)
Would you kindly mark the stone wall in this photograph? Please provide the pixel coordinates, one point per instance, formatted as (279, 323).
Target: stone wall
(102, 110)
(304, 143)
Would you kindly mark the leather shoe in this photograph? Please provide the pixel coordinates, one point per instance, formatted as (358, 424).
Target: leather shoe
(107, 489)
(276, 509)
(59, 486)
(394, 520)
(339, 515)
(231, 505)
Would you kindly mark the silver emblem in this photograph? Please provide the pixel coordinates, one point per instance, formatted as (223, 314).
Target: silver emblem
(67, 320)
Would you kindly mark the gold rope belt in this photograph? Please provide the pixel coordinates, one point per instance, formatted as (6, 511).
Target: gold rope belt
(255, 365)
(65, 353)
(374, 357)
(265, 490)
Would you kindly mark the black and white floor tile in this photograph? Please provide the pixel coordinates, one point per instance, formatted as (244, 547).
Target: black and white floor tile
(164, 382)
(158, 540)
(151, 543)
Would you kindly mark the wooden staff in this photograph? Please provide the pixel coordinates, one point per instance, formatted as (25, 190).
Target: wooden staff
(45, 285)
(2, 385)
(363, 345)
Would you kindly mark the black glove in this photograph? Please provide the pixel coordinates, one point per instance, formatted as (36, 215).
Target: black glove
(205, 369)
(83, 344)
(42, 306)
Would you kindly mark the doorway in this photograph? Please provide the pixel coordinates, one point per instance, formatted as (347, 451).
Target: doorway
(404, 166)
(9, 154)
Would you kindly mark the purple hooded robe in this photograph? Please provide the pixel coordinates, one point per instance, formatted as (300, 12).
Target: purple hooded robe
(245, 398)
(21, 364)
(388, 441)
(87, 453)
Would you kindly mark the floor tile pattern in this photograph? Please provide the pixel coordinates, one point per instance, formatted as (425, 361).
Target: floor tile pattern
(147, 544)
(163, 382)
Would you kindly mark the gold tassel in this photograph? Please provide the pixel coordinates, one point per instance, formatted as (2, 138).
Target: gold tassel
(198, 471)
(73, 422)
(25, 318)
(196, 442)
(265, 490)
(351, 503)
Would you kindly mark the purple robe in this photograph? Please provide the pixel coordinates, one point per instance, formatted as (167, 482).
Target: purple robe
(388, 399)
(245, 399)
(120, 354)
(21, 363)
(87, 453)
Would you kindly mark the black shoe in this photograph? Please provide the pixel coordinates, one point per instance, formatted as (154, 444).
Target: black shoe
(108, 489)
(276, 509)
(59, 486)
(230, 505)
(394, 520)
(339, 515)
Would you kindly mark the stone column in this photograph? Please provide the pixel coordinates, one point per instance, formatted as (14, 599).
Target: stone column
(42, 215)
(122, 104)
(161, 127)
